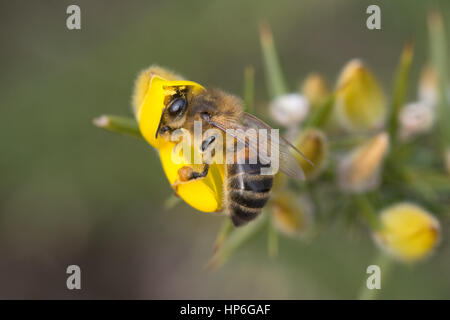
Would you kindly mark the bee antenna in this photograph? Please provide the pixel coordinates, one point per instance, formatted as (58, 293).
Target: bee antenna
(160, 122)
(215, 124)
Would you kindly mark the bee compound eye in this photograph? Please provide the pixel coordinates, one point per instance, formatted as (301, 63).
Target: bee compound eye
(177, 106)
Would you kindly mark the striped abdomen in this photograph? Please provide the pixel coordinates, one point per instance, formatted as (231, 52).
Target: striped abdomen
(247, 191)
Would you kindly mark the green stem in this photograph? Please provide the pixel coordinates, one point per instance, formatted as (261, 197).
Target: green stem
(401, 83)
(367, 211)
(249, 89)
(276, 84)
(235, 239)
(386, 264)
(272, 240)
(439, 61)
(347, 142)
(117, 124)
(313, 192)
(225, 230)
(171, 202)
(321, 114)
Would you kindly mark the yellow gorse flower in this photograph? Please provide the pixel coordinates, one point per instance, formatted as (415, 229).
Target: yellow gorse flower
(360, 102)
(314, 146)
(315, 89)
(407, 232)
(153, 90)
(291, 215)
(359, 170)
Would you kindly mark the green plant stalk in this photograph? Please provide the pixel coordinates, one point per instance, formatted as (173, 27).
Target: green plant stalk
(272, 240)
(439, 181)
(171, 202)
(276, 84)
(401, 84)
(439, 61)
(321, 114)
(347, 142)
(117, 124)
(367, 211)
(235, 239)
(386, 264)
(314, 194)
(249, 89)
(225, 230)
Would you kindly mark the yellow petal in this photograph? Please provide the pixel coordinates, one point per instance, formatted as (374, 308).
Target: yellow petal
(291, 215)
(407, 232)
(359, 170)
(360, 102)
(205, 194)
(142, 83)
(316, 89)
(155, 100)
(313, 144)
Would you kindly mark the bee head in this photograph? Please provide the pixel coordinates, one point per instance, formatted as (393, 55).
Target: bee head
(173, 115)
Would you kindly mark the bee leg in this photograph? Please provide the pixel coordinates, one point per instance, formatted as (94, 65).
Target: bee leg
(187, 174)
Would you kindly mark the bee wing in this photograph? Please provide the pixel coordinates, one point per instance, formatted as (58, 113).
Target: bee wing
(288, 164)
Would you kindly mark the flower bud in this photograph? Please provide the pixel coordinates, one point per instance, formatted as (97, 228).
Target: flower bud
(360, 102)
(415, 118)
(289, 110)
(315, 89)
(407, 232)
(314, 145)
(428, 87)
(359, 171)
(291, 215)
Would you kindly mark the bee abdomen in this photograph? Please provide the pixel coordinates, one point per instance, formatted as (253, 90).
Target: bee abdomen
(248, 193)
(248, 198)
(240, 214)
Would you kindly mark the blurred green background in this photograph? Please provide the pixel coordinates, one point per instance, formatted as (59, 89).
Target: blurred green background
(71, 193)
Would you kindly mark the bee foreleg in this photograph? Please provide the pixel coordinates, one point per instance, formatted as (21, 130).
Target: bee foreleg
(187, 174)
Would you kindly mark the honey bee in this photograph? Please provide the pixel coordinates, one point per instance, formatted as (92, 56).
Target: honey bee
(246, 190)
